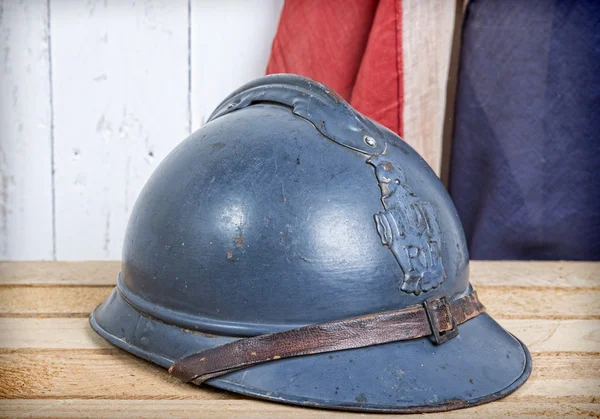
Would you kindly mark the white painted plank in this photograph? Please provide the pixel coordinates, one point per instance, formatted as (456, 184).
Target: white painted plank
(230, 45)
(121, 103)
(25, 132)
(427, 32)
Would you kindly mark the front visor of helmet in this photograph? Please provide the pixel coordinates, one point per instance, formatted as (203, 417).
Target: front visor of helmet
(483, 363)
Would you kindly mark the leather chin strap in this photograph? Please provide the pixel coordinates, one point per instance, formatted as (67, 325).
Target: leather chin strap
(435, 317)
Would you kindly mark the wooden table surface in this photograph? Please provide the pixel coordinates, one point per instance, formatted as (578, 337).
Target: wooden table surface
(53, 365)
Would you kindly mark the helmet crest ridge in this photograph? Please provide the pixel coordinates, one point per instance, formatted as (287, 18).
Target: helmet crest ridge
(331, 115)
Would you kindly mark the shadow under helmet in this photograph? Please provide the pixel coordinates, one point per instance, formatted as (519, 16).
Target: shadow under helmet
(294, 250)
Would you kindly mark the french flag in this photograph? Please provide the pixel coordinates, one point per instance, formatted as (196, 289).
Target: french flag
(500, 97)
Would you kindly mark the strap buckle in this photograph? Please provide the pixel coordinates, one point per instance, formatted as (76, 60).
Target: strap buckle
(437, 308)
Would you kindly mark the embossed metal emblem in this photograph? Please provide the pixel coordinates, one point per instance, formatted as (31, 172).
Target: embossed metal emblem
(408, 227)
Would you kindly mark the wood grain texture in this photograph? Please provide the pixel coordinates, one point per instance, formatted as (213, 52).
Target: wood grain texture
(62, 333)
(121, 91)
(501, 302)
(550, 336)
(26, 230)
(59, 273)
(115, 374)
(485, 273)
(73, 301)
(53, 365)
(255, 409)
(243, 28)
(427, 33)
(535, 274)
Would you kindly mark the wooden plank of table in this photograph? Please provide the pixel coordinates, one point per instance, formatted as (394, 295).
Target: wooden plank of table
(490, 273)
(535, 274)
(539, 335)
(503, 302)
(115, 374)
(53, 365)
(59, 273)
(255, 409)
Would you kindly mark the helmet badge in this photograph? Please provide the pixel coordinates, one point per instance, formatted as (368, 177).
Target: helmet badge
(408, 227)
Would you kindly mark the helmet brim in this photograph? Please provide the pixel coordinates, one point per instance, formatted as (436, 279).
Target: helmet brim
(483, 363)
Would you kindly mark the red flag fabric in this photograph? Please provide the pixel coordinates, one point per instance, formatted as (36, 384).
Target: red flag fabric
(353, 46)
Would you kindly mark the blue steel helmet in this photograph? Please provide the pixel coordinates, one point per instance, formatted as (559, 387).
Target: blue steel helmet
(290, 209)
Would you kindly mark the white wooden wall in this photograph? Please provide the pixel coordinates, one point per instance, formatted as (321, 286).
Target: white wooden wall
(93, 95)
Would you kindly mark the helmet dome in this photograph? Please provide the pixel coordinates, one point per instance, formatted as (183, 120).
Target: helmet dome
(289, 208)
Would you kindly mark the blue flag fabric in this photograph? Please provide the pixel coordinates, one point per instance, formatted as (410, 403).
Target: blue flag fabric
(525, 162)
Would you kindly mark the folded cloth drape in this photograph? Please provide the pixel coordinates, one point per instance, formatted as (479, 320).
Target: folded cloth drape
(352, 46)
(525, 161)
(526, 146)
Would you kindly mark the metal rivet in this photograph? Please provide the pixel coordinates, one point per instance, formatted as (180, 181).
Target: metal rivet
(370, 141)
